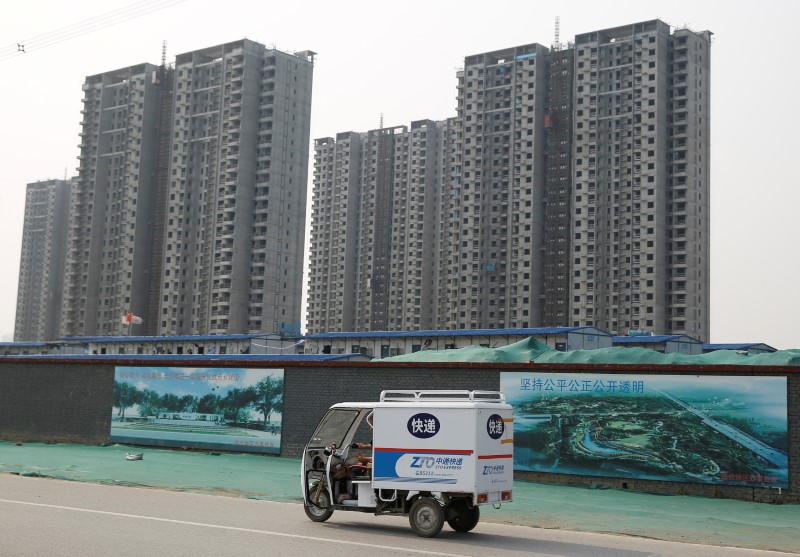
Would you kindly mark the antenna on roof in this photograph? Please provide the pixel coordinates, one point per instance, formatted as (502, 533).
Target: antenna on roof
(381, 120)
(557, 42)
(163, 54)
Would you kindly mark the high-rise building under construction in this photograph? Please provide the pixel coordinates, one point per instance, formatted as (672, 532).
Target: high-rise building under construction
(641, 222)
(109, 235)
(189, 205)
(235, 223)
(572, 188)
(42, 261)
(376, 218)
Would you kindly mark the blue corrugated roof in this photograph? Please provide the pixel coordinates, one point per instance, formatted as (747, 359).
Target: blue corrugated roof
(455, 333)
(23, 344)
(652, 339)
(737, 346)
(174, 338)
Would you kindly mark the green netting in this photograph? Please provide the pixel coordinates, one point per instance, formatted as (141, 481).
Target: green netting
(532, 350)
(680, 518)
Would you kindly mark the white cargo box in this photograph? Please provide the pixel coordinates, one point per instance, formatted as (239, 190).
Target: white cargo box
(444, 441)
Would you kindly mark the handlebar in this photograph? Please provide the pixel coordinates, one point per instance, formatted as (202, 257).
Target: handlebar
(332, 450)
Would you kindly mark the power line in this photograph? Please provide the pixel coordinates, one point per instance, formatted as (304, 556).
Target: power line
(87, 21)
(87, 26)
(91, 24)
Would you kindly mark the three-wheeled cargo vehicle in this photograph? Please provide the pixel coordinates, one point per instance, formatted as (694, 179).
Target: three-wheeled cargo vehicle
(433, 456)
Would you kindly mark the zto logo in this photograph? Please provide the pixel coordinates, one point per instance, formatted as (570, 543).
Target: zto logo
(423, 425)
(495, 469)
(495, 426)
(422, 461)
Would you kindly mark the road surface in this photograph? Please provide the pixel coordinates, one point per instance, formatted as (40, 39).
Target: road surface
(43, 516)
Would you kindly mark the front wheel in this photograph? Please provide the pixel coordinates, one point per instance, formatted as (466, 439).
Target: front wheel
(466, 517)
(426, 517)
(319, 508)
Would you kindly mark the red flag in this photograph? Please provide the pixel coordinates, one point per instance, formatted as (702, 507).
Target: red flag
(129, 318)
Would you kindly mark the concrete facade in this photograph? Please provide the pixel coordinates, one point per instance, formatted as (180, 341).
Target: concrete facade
(189, 206)
(448, 227)
(109, 232)
(334, 234)
(415, 223)
(573, 190)
(641, 169)
(496, 264)
(235, 223)
(42, 261)
(558, 188)
(375, 224)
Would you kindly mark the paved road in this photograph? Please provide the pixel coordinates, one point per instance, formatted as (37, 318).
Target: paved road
(53, 517)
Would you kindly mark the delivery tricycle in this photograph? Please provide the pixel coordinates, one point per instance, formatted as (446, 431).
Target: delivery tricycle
(434, 456)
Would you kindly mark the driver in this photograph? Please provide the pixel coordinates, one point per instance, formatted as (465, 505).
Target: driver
(365, 459)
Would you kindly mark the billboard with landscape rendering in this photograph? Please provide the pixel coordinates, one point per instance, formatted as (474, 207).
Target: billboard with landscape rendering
(701, 429)
(233, 409)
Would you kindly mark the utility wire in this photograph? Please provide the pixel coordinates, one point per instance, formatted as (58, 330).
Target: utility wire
(254, 343)
(87, 26)
(94, 19)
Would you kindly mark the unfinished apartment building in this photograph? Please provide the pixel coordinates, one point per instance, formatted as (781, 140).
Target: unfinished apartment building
(189, 205)
(42, 261)
(235, 225)
(496, 271)
(640, 224)
(109, 235)
(415, 223)
(558, 189)
(573, 190)
(448, 231)
(374, 227)
(334, 225)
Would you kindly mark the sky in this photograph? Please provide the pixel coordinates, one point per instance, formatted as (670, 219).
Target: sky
(398, 61)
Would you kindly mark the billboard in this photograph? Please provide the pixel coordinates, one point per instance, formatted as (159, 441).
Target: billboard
(709, 429)
(232, 409)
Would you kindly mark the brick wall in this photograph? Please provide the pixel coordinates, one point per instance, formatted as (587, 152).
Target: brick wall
(794, 442)
(63, 401)
(56, 402)
(309, 392)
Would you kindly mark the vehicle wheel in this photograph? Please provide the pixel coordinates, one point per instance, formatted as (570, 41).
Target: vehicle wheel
(466, 517)
(426, 517)
(320, 508)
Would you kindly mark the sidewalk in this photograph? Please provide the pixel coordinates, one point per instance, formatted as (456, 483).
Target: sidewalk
(666, 517)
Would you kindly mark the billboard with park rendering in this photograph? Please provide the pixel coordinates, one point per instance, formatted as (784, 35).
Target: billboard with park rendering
(233, 409)
(684, 428)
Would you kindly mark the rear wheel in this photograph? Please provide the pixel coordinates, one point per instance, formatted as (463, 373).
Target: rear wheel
(319, 508)
(466, 517)
(426, 517)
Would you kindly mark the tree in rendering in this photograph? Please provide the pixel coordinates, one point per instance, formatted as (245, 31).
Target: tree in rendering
(125, 396)
(269, 394)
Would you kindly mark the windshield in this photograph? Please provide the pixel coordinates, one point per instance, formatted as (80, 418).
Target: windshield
(333, 427)
(364, 432)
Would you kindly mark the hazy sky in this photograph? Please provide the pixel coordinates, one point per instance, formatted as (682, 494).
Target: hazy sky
(400, 59)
